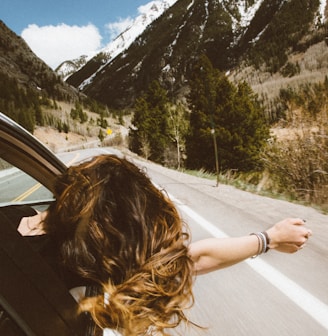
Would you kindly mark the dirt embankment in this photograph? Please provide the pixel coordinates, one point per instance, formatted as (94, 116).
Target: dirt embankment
(58, 142)
(81, 135)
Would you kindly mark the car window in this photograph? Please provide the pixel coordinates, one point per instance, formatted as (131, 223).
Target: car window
(18, 187)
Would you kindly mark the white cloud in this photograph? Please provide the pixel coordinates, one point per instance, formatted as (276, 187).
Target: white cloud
(116, 28)
(55, 44)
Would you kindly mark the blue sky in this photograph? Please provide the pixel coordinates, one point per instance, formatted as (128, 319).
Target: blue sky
(51, 28)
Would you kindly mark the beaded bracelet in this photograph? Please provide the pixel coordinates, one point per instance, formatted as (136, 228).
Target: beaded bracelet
(267, 241)
(259, 245)
(263, 243)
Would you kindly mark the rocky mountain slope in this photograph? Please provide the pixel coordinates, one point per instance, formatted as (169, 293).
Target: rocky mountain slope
(253, 40)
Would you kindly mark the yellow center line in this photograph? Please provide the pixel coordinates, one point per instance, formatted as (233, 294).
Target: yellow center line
(38, 185)
(27, 193)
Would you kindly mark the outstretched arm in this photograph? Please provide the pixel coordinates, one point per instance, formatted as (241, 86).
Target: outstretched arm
(212, 254)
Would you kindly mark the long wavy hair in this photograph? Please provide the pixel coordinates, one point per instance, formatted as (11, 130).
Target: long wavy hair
(118, 230)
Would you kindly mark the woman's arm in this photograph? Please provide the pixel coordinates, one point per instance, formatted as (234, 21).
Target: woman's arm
(212, 254)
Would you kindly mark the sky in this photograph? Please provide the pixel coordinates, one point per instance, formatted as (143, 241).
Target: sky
(66, 29)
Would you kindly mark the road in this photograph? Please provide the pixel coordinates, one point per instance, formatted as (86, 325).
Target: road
(273, 295)
(17, 186)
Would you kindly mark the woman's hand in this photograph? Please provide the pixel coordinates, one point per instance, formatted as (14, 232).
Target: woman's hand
(288, 235)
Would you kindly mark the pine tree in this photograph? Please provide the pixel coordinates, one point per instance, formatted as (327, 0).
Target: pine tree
(202, 102)
(150, 123)
(232, 114)
(244, 130)
(141, 127)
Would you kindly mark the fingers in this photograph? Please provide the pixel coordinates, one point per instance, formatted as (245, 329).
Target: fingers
(305, 236)
(290, 235)
(305, 231)
(308, 234)
(298, 221)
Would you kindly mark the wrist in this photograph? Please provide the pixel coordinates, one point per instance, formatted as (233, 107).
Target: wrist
(271, 236)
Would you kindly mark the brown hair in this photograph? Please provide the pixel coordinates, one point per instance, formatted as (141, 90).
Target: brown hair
(118, 230)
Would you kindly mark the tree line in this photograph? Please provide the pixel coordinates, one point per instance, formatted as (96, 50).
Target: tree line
(216, 114)
(21, 104)
(26, 106)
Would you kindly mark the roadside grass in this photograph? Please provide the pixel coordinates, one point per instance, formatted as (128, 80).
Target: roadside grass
(258, 183)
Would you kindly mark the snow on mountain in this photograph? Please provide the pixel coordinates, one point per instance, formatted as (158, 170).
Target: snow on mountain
(322, 8)
(148, 13)
(68, 67)
(247, 13)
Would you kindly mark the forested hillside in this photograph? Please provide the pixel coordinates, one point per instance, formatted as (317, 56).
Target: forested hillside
(26, 82)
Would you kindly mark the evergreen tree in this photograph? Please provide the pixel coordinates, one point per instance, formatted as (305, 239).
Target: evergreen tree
(39, 118)
(101, 135)
(244, 130)
(150, 123)
(102, 121)
(26, 119)
(232, 114)
(21, 104)
(199, 145)
(141, 129)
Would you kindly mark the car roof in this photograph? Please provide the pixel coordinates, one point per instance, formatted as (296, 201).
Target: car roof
(23, 150)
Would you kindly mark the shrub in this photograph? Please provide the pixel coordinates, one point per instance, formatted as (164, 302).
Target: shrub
(299, 165)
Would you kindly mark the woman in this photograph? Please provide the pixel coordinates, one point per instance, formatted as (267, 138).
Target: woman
(113, 228)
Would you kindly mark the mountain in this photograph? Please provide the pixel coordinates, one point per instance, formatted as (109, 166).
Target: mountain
(67, 68)
(150, 12)
(20, 64)
(250, 39)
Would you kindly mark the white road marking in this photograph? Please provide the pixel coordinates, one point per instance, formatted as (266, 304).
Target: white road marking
(302, 298)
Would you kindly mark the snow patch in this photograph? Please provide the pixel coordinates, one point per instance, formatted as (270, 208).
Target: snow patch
(147, 14)
(247, 14)
(322, 8)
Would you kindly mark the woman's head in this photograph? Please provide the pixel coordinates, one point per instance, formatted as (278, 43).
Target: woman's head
(115, 228)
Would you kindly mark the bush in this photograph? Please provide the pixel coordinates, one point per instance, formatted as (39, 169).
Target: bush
(299, 166)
